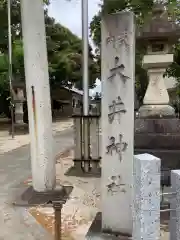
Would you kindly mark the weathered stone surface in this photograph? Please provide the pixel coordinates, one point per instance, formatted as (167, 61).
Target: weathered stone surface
(146, 217)
(118, 52)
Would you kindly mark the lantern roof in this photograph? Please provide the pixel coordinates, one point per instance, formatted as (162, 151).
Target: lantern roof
(160, 27)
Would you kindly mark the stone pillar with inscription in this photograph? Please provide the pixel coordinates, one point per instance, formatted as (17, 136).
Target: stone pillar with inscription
(118, 60)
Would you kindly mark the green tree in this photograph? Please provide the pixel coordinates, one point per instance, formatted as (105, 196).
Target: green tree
(16, 22)
(64, 51)
(65, 56)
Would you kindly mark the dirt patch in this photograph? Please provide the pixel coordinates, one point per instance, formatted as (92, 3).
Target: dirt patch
(81, 208)
(46, 221)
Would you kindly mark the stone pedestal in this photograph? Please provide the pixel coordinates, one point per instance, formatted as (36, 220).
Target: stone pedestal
(156, 111)
(118, 58)
(161, 138)
(156, 99)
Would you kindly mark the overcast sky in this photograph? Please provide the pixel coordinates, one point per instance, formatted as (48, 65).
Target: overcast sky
(68, 13)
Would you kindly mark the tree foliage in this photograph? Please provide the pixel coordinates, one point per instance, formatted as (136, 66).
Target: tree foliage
(63, 47)
(142, 10)
(65, 56)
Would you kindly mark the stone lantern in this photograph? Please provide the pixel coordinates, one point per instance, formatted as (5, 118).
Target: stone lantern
(19, 99)
(157, 130)
(157, 37)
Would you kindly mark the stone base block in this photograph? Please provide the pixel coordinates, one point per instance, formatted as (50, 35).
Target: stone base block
(157, 141)
(157, 125)
(159, 137)
(95, 232)
(156, 111)
(29, 197)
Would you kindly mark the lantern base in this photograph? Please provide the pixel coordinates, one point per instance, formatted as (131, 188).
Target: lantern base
(156, 111)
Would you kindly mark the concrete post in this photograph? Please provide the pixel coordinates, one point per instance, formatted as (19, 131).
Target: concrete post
(94, 130)
(175, 206)
(38, 95)
(118, 58)
(146, 210)
(77, 136)
(77, 142)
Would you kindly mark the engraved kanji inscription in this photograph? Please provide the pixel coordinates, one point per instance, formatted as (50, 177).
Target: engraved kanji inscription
(115, 185)
(118, 69)
(118, 41)
(118, 147)
(117, 107)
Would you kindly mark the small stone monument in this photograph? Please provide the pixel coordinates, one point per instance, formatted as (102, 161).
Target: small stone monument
(19, 99)
(157, 131)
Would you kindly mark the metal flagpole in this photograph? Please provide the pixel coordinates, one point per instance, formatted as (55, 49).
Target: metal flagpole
(85, 40)
(10, 66)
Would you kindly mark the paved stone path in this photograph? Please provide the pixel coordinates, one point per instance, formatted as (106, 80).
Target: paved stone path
(8, 144)
(17, 223)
